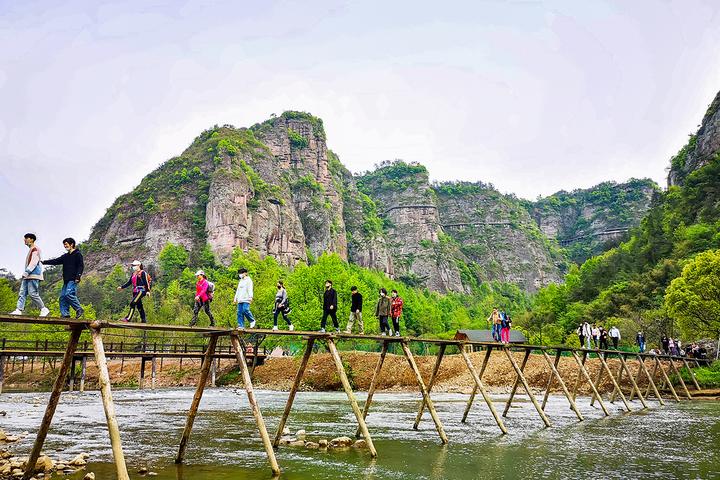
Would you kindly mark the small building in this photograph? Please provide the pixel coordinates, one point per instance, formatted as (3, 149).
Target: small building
(516, 336)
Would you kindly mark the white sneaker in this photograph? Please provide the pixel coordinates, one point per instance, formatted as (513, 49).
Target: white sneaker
(252, 324)
(322, 330)
(291, 327)
(397, 334)
(16, 312)
(274, 328)
(44, 312)
(383, 334)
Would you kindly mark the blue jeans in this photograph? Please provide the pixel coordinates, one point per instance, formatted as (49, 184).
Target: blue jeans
(642, 347)
(496, 332)
(243, 311)
(68, 298)
(29, 288)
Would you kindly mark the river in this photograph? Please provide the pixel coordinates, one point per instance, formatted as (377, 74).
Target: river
(675, 441)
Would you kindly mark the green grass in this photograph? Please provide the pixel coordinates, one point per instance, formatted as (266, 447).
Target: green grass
(707, 377)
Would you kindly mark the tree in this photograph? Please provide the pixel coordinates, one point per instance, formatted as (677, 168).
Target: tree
(693, 299)
(173, 260)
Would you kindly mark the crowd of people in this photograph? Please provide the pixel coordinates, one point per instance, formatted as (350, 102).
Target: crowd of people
(388, 309)
(501, 323)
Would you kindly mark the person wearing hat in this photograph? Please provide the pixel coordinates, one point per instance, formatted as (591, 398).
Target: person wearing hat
(203, 297)
(140, 282)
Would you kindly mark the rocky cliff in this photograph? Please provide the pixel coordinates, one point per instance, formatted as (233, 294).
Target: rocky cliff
(277, 189)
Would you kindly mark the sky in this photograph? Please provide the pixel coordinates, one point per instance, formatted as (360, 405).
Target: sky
(533, 97)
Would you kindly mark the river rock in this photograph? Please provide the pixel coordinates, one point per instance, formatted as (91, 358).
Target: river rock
(340, 442)
(360, 444)
(89, 476)
(312, 445)
(143, 470)
(323, 443)
(286, 431)
(300, 434)
(297, 443)
(78, 461)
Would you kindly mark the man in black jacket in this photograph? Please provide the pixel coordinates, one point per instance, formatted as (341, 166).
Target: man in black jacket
(356, 301)
(73, 266)
(329, 307)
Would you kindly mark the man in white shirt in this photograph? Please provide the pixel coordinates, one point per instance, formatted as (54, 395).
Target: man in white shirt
(243, 299)
(615, 336)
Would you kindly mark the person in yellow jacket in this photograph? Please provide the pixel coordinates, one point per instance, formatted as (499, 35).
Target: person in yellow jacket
(496, 321)
(382, 311)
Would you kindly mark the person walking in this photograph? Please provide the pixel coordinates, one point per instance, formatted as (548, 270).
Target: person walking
(31, 278)
(588, 334)
(329, 307)
(282, 306)
(356, 304)
(204, 291)
(615, 336)
(505, 326)
(596, 336)
(383, 310)
(140, 282)
(603, 338)
(495, 321)
(665, 343)
(73, 267)
(243, 299)
(580, 334)
(396, 308)
(671, 346)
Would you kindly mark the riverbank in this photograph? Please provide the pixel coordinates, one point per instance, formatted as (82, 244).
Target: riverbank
(278, 373)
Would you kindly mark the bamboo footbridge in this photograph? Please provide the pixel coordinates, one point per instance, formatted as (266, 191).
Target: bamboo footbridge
(662, 366)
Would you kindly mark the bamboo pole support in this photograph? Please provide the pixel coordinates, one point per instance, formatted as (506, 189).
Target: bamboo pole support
(141, 381)
(615, 384)
(213, 373)
(692, 375)
(373, 384)
(106, 394)
(2, 371)
(242, 363)
(351, 397)
(475, 387)
(579, 375)
(651, 382)
(638, 376)
(153, 373)
(71, 385)
(556, 373)
(551, 377)
(526, 385)
(621, 372)
(433, 376)
(294, 389)
(601, 371)
(653, 376)
(424, 392)
(479, 386)
(635, 387)
(83, 372)
(585, 373)
(682, 382)
(667, 380)
(52, 402)
(202, 381)
(517, 382)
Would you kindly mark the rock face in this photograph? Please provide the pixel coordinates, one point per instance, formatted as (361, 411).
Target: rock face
(701, 148)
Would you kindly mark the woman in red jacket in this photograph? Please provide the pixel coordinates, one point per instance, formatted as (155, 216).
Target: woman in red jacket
(203, 296)
(395, 311)
(140, 287)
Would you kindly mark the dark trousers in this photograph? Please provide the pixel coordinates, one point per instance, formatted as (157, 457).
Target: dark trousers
(384, 327)
(615, 341)
(196, 310)
(582, 340)
(603, 344)
(136, 304)
(333, 315)
(279, 311)
(396, 323)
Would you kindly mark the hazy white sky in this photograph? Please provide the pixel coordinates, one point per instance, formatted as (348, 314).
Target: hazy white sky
(531, 96)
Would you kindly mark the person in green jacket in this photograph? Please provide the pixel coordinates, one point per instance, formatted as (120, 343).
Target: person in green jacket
(382, 311)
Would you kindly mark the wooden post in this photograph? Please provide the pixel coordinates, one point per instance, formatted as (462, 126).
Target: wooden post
(556, 373)
(83, 373)
(526, 385)
(373, 384)
(2, 371)
(599, 378)
(141, 382)
(242, 363)
(667, 380)
(71, 386)
(204, 369)
(105, 391)
(424, 392)
(152, 373)
(692, 375)
(615, 384)
(294, 389)
(52, 402)
(517, 382)
(682, 382)
(635, 387)
(552, 376)
(585, 373)
(213, 373)
(621, 371)
(579, 375)
(638, 376)
(348, 391)
(479, 386)
(475, 387)
(651, 382)
(430, 384)
(652, 377)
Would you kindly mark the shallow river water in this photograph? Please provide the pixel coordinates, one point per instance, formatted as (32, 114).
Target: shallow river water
(675, 441)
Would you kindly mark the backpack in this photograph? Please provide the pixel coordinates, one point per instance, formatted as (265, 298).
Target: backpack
(149, 280)
(210, 288)
(287, 308)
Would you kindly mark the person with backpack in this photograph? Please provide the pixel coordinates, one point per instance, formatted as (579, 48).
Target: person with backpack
(495, 321)
(329, 306)
(356, 304)
(282, 306)
(204, 291)
(73, 267)
(505, 326)
(396, 308)
(640, 339)
(140, 281)
(383, 310)
(243, 299)
(31, 278)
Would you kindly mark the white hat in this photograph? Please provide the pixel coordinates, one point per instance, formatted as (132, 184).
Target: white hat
(136, 262)
(199, 272)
